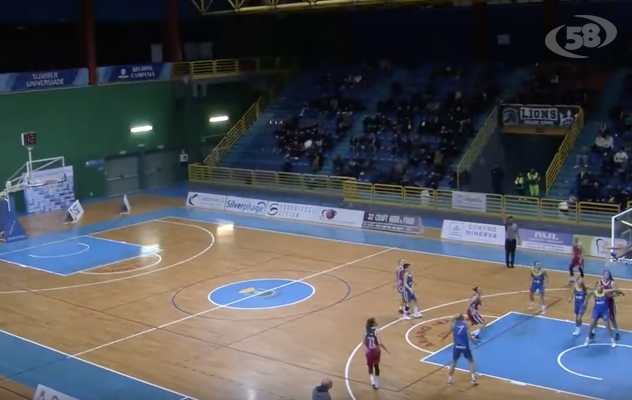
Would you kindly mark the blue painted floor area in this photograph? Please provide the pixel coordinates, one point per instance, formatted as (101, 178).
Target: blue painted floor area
(542, 352)
(261, 294)
(75, 255)
(30, 365)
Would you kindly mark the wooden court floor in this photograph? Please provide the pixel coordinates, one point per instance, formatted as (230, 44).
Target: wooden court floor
(128, 323)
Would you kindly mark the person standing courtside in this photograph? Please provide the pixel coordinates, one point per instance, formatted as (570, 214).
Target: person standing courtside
(512, 239)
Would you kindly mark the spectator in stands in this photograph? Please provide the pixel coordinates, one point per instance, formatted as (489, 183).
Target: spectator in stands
(519, 183)
(338, 164)
(621, 158)
(533, 181)
(497, 179)
(582, 157)
(603, 143)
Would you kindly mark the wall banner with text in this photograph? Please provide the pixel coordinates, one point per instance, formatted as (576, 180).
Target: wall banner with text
(134, 73)
(393, 223)
(538, 116)
(45, 80)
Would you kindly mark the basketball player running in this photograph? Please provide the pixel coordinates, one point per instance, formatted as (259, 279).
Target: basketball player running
(579, 295)
(399, 284)
(372, 350)
(538, 281)
(607, 282)
(473, 315)
(577, 261)
(409, 294)
(601, 310)
(461, 346)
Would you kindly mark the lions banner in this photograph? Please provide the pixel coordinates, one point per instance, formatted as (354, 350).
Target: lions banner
(536, 119)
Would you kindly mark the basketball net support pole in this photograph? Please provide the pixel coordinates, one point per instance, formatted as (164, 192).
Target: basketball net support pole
(29, 166)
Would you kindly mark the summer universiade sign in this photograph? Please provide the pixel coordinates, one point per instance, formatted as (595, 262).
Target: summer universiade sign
(43, 80)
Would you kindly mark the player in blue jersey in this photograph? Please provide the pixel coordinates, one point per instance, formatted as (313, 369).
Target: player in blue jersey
(578, 296)
(538, 281)
(601, 310)
(399, 284)
(409, 294)
(461, 346)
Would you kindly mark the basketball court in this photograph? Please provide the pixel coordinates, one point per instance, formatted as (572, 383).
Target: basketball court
(178, 303)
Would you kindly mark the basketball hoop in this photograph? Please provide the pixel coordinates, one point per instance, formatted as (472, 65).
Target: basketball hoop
(619, 254)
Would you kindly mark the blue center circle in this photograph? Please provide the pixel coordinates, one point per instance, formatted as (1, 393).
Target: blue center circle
(261, 294)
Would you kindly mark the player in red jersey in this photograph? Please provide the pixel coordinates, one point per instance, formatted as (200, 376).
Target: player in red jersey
(473, 315)
(372, 351)
(607, 282)
(577, 261)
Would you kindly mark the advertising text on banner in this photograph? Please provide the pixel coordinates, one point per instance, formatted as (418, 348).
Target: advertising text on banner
(473, 232)
(134, 73)
(546, 241)
(45, 80)
(246, 206)
(469, 201)
(596, 246)
(393, 223)
(323, 215)
(206, 200)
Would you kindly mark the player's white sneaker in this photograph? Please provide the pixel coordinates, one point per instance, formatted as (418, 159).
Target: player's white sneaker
(587, 342)
(576, 332)
(418, 315)
(406, 316)
(614, 343)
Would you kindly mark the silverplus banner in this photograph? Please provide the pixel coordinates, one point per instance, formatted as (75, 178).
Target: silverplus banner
(393, 223)
(539, 116)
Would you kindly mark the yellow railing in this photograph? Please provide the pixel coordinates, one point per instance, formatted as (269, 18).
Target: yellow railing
(562, 153)
(245, 122)
(525, 208)
(234, 133)
(209, 68)
(481, 139)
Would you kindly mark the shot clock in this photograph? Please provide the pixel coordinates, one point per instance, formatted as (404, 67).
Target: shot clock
(28, 140)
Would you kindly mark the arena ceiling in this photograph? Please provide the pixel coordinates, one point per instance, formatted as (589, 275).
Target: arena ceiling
(219, 7)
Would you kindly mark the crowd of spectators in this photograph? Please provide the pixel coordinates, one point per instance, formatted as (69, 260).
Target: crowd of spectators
(321, 123)
(605, 174)
(418, 132)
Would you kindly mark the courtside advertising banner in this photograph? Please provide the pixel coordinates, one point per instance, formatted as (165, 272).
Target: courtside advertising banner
(393, 223)
(246, 206)
(322, 215)
(596, 246)
(469, 201)
(44, 393)
(473, 232)
(546, 241)
(206, 200)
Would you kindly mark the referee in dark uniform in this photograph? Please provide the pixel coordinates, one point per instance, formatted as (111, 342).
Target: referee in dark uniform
(512, 239)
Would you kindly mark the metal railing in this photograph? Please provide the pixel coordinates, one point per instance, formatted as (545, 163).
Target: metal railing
(210, 68)
(530, 208)
(478, 145)
(237, 131)
(562, 153)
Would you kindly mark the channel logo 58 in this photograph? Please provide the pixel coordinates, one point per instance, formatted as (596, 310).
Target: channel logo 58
(593, 35)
